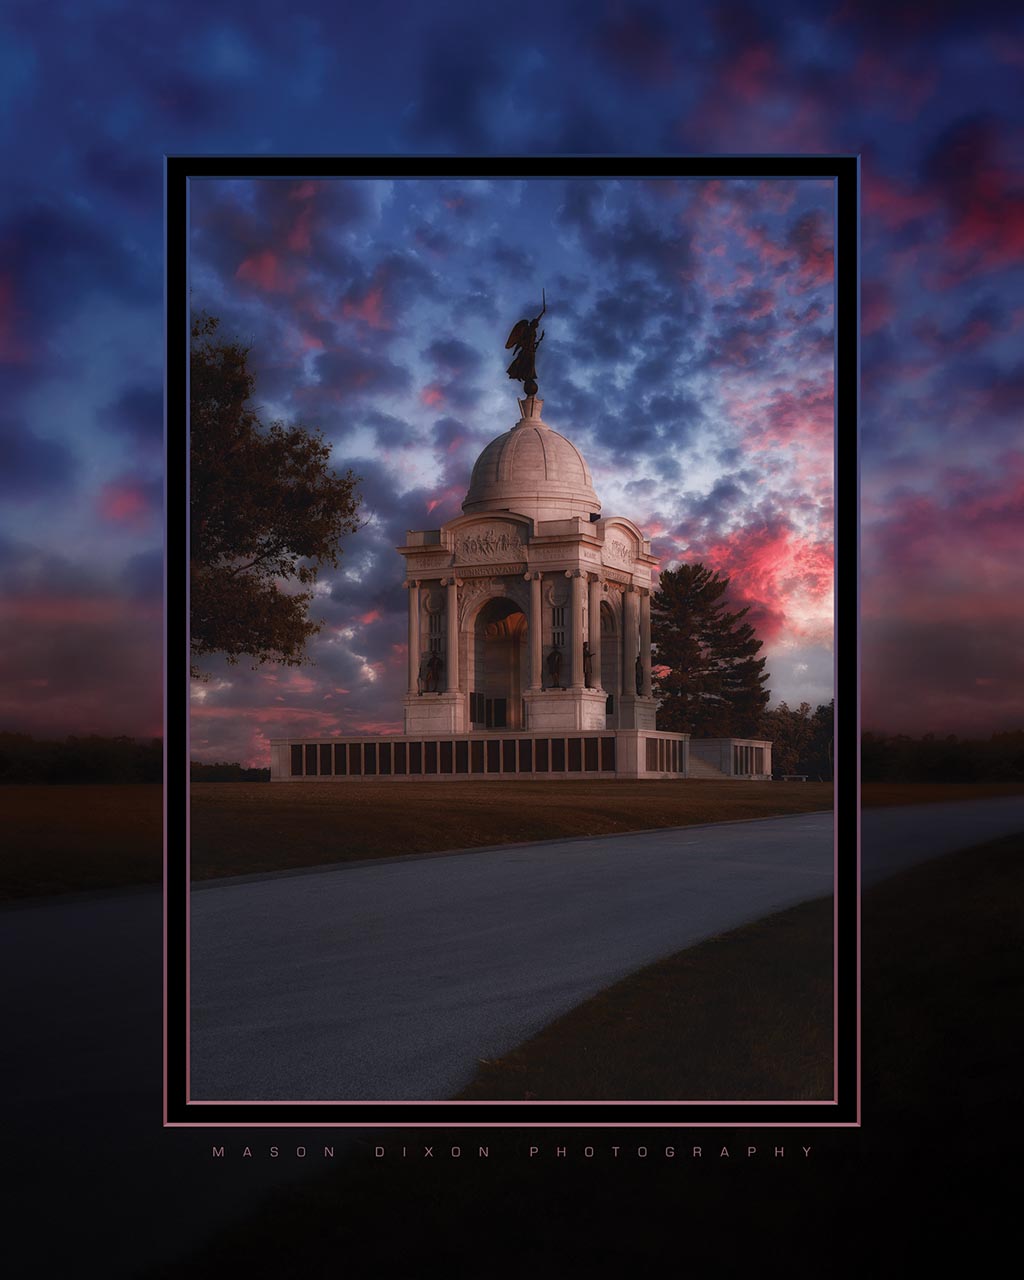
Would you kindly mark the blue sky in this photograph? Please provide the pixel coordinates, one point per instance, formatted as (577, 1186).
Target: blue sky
(688, 352)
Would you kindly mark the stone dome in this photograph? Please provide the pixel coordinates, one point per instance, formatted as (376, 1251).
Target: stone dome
(532, 470)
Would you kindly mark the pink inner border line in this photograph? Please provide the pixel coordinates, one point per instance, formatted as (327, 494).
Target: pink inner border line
(513, 1124)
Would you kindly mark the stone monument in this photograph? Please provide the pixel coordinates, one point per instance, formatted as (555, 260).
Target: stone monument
(529, 627)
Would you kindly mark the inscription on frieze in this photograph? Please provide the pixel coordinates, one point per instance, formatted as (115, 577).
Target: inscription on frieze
(435, 561)
(566, 552)
(491, 570)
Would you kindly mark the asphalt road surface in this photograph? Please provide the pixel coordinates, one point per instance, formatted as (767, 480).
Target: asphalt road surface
(391, 980)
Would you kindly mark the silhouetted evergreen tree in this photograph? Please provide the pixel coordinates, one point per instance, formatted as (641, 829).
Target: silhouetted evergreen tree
(714, 685)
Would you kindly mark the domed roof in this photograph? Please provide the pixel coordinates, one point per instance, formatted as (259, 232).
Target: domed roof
(532, 470)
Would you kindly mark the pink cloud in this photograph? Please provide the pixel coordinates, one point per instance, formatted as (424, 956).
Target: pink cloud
(432, 395)
(876, 306)
(13, 350)
(298, 239)
(124, 502)
(372, 616)
(784, 577)
(638, 47)
(264, 270)
(875, 77)
(72, 611)
(756, 101)
(369, 308)
(892, 203)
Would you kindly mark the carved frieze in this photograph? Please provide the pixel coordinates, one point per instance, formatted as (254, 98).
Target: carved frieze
(489, 542)
(618, 551)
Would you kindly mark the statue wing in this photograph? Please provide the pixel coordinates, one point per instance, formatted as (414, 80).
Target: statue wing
(518, 335)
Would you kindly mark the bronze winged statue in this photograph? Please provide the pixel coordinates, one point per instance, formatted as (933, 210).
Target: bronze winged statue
(524, 338)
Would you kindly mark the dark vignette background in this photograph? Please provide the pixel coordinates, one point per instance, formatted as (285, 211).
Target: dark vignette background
(95, 95)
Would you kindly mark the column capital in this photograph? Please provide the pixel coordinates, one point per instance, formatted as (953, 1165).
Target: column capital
(594, 577)
(452, 582)
(409, 583)
(575, 573)
(534, 575)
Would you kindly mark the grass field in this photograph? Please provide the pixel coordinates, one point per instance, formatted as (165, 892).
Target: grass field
(63, 838)
(60, 839)
(247, 827)
(746, 1015)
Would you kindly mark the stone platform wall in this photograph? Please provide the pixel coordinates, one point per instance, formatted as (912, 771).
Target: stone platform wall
(748, 758)
(623, 753)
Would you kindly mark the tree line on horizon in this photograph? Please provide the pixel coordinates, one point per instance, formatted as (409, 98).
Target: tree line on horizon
(897, 757)
(92, 758)
(801, 744)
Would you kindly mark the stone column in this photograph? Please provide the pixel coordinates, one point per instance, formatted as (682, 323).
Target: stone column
(631, 638)
(594, 621)
(451, 661)
(414, 635)
(536, 630)
(645, 639)
(579, 586)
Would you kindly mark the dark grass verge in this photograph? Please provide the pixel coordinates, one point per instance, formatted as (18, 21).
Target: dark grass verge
(745, 1015)
(879, 795)
(926, 1177)
(65, 838)
(245, 828)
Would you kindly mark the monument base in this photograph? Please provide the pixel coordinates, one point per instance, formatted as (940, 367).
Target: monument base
(549, 710)
(430, 713)
(637, 712)
(506, 754)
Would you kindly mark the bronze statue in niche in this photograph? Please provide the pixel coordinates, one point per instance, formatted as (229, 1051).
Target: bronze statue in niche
(555, 667)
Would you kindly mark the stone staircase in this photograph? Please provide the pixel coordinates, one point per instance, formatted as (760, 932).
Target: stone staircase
(698, 768)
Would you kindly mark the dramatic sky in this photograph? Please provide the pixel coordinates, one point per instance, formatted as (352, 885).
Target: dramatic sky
(688, 352)
(375, 314)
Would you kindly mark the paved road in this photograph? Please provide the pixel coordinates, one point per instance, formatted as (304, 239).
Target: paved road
(894, 839)
(391, 981)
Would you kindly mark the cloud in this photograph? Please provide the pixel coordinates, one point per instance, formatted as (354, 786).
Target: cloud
(637, 44)
(138, 413)
(348, 371)
(130, 501)
(33, 467)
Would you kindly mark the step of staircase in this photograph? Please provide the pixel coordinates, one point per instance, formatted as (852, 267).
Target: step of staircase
(698, 768)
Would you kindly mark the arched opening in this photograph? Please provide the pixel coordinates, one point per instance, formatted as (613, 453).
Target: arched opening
(499, 674)
(611, 679)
